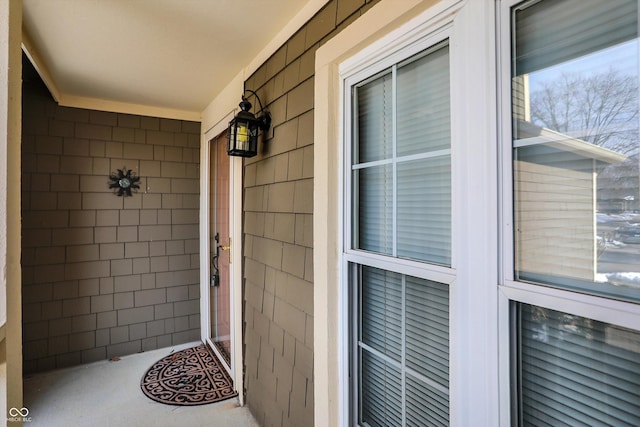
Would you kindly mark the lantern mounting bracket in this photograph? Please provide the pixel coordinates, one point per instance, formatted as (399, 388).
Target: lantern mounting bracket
(264, 121)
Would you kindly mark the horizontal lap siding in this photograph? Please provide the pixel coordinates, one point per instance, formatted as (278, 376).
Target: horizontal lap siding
(556, 229)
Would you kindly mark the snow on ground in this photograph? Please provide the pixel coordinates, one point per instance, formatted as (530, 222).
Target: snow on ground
(631, 278)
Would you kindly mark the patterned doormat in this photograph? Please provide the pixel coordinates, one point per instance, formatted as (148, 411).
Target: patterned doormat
(189, 377)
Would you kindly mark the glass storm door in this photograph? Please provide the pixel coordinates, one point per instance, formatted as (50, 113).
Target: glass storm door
(220, 245)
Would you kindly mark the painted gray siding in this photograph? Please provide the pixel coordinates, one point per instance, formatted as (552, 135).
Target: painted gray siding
(104, 275)
(278, 225)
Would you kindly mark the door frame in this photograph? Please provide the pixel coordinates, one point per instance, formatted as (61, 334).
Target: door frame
(235, 271)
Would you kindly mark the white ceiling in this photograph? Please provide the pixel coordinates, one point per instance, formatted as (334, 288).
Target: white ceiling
(173, 54)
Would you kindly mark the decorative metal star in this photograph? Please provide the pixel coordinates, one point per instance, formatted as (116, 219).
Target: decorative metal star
(124, 182)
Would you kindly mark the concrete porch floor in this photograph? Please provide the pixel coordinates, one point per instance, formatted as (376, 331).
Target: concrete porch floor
(108, 394)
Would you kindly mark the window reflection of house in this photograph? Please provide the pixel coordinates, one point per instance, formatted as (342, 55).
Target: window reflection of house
(556, 202)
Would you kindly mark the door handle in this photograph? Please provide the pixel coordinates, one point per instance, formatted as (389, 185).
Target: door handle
(227, 248)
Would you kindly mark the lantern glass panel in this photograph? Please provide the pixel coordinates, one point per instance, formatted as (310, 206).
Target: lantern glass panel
(243, 137)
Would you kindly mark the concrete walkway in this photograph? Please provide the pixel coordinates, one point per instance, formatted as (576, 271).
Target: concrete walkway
(108, 394)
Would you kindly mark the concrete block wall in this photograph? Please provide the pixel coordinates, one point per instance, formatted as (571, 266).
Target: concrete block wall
(104, 275)
(278, 226)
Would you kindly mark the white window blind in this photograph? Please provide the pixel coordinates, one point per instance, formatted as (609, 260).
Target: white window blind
(557, 31)
(375, 126)
(576, 371)
(402, 160)
(403, 349)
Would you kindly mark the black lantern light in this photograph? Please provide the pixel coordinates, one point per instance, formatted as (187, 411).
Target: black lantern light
(242, 137)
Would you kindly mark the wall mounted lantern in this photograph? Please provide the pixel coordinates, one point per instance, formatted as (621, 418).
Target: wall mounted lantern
(242, 136)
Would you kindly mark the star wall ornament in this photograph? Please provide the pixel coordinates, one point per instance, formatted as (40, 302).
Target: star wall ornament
(123, 183)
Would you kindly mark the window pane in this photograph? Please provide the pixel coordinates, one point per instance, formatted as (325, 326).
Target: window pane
(382, 311)
(576, 371)
(374, 105)
(426, 406)
(424, 210)
(576, 147)
(375, 209)
(427, 329)
(424, 122)
(381, 402)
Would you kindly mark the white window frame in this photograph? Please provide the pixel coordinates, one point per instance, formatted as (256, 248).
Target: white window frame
(351, 75)
(615, 312)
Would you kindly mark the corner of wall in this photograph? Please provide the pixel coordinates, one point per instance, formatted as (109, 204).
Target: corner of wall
(10, 131)
(226, 102)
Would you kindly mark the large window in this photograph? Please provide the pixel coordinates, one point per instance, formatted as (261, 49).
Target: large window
(399, 193)
(576, 146)
(576, 211)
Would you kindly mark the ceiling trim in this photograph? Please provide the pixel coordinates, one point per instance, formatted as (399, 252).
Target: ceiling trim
(127, 108)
